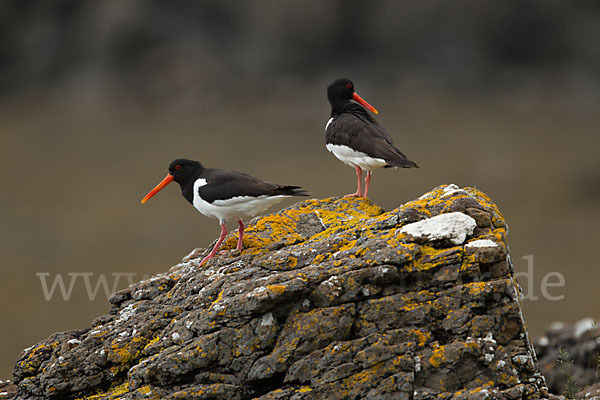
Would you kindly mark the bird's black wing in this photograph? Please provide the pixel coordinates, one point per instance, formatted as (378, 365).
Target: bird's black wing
(354, 131)
(222, 185)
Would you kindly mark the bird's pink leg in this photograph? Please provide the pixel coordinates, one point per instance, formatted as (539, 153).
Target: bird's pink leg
(367, 182)
(359, 179)
(216, 247)
(241, 234)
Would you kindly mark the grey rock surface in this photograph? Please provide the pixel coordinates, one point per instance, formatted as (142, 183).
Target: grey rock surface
(330, 299)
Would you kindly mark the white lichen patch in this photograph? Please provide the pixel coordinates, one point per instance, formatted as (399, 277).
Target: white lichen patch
(482, 243)
(175, 336)
(218, 308)
(126, 313)
(97, 331)
(451, 189)
(334, 285)
(257, 291)
(417, 364)
(267, 320)
(74, 341)
(383, 271)
(454, 226)
(490, 338)
(187, 267)
(27, 350)
(520, 359)
(191, 255)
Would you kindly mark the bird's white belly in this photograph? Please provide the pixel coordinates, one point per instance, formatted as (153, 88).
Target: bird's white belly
(234, 208)
(355, 158)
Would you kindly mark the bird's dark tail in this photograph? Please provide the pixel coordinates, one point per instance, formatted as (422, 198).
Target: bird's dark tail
(401, 162)
(293, 191)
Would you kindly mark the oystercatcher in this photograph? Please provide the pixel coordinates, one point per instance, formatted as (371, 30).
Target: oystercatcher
(355, 138)
(224, 194)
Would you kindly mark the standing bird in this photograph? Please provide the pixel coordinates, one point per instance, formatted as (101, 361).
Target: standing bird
(355, 138)
(224, 194)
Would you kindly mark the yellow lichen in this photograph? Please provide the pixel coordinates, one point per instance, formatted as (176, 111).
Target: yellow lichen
(126, 351)
(278, 289)
(476, 288)
(509, 380)
(292, 262)
(472, 345)
(218, 299)
(438, 357)
(421, 336)
(113, 393)
(155, 339)
(279, 228)
(321, 258)
(30, 365)
(144, 390)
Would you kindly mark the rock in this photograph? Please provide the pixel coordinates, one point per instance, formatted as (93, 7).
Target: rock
(8, 390)
(571, 352)
(453, 227)
(330, 299)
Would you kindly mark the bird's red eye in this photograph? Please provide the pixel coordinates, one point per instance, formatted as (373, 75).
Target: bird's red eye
(349, 85)
(178, 167)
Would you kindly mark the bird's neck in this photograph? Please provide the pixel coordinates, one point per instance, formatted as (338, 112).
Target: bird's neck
(188, 192)
(187, 188)
(338, 105)
(352, 108)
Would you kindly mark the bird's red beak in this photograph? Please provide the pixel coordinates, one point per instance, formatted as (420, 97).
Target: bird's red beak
(168, 179)
(364, 103)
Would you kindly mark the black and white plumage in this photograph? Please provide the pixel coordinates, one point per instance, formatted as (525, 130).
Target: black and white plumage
(225, 195)
(355, 138)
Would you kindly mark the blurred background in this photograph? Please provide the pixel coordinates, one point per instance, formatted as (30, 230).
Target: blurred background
(97, 97)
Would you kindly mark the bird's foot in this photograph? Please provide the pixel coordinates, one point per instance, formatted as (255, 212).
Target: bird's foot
(205, 260)
(357, 194)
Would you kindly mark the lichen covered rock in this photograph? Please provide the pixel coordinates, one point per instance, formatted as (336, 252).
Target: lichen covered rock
(330, 299)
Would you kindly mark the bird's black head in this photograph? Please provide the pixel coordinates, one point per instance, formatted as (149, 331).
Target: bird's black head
(340, 90)
(184, 170)
(181, 171)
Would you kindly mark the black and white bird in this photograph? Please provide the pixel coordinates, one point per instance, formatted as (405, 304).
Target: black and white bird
(224, 195)
(355, 138)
